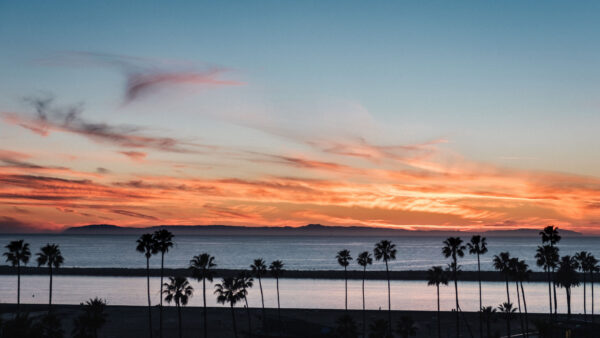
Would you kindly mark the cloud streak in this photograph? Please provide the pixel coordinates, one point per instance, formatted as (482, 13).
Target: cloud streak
(70, 120)
(143, 76)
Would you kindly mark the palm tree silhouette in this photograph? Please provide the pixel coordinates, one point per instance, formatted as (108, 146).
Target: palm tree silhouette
(364, 259)
(453, 248)
(343, 257)
(478, 246)
(546, 256)
(436, 275)
(164, 241)
(488, 313)
(228, 291)
(276, 269)
(566, 277)
(581, 258)
(18, 252)
(550, 235)
(386, 251)
(592, 266)
(178, 289)
(502, 264)
(147, 246)
(202, 270)
(522, 273)
(92, 319)
(259, 269)
(508, 310)
(246, 282)
(50, 256)
(406, 327)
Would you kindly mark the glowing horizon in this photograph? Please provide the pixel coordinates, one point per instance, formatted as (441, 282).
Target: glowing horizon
(294, 121)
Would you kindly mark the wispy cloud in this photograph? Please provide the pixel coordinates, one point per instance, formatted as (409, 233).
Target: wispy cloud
(148, 76)
(51, 118)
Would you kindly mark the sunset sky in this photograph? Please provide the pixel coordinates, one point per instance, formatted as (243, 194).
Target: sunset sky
(437, 115)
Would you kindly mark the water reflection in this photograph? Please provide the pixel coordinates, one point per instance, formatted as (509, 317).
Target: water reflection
(295, 293)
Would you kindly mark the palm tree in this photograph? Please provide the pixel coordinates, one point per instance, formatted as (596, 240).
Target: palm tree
(228, 291)
(488, 312)
(581, 258)
(546, 257)
(550, 235)
(592, 266)
(259, 269)
(502, 264)
(508, 310)
(51, 256)
(478, 246)
(17, 253)
(436, 275)
(246, 282)
(364, 259)
(566, 277)
(147, 246)
(164, 241)
(453, 248)
(522, 273)
(386, 251)
(276, 269)
(92, 318)
(343, 257)
(406, 327)
(202, 270)
(178, 289)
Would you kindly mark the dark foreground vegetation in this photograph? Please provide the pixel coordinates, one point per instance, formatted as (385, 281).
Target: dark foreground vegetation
(130, 321)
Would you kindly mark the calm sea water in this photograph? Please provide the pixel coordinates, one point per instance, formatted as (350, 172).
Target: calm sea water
(301, 253)
(295, 293)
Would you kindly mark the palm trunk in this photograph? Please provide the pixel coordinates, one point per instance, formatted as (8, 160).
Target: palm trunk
(249, 319)
(568, 291)
(262, 299)
(455, 276)
(480, 301)
(439, 321)
(346, 288)
(592, 286)
(233, 319)
(160, 308)
(18, 288)
(179, 320)
(520, 313)
(50, 291)
(387, 271)
(549, 289)
(508, 314)
(363, 299)
(525, 308)
(149, 301)
(204, 299)
(278, 304)
(554, 287)
(489, 324)
(584, 299)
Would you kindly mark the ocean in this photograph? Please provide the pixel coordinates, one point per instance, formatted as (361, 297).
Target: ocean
(297, 253)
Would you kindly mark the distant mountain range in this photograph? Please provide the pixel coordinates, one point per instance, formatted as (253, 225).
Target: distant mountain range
(306, 230)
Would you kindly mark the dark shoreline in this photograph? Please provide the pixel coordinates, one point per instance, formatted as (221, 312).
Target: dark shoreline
(488, 276)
